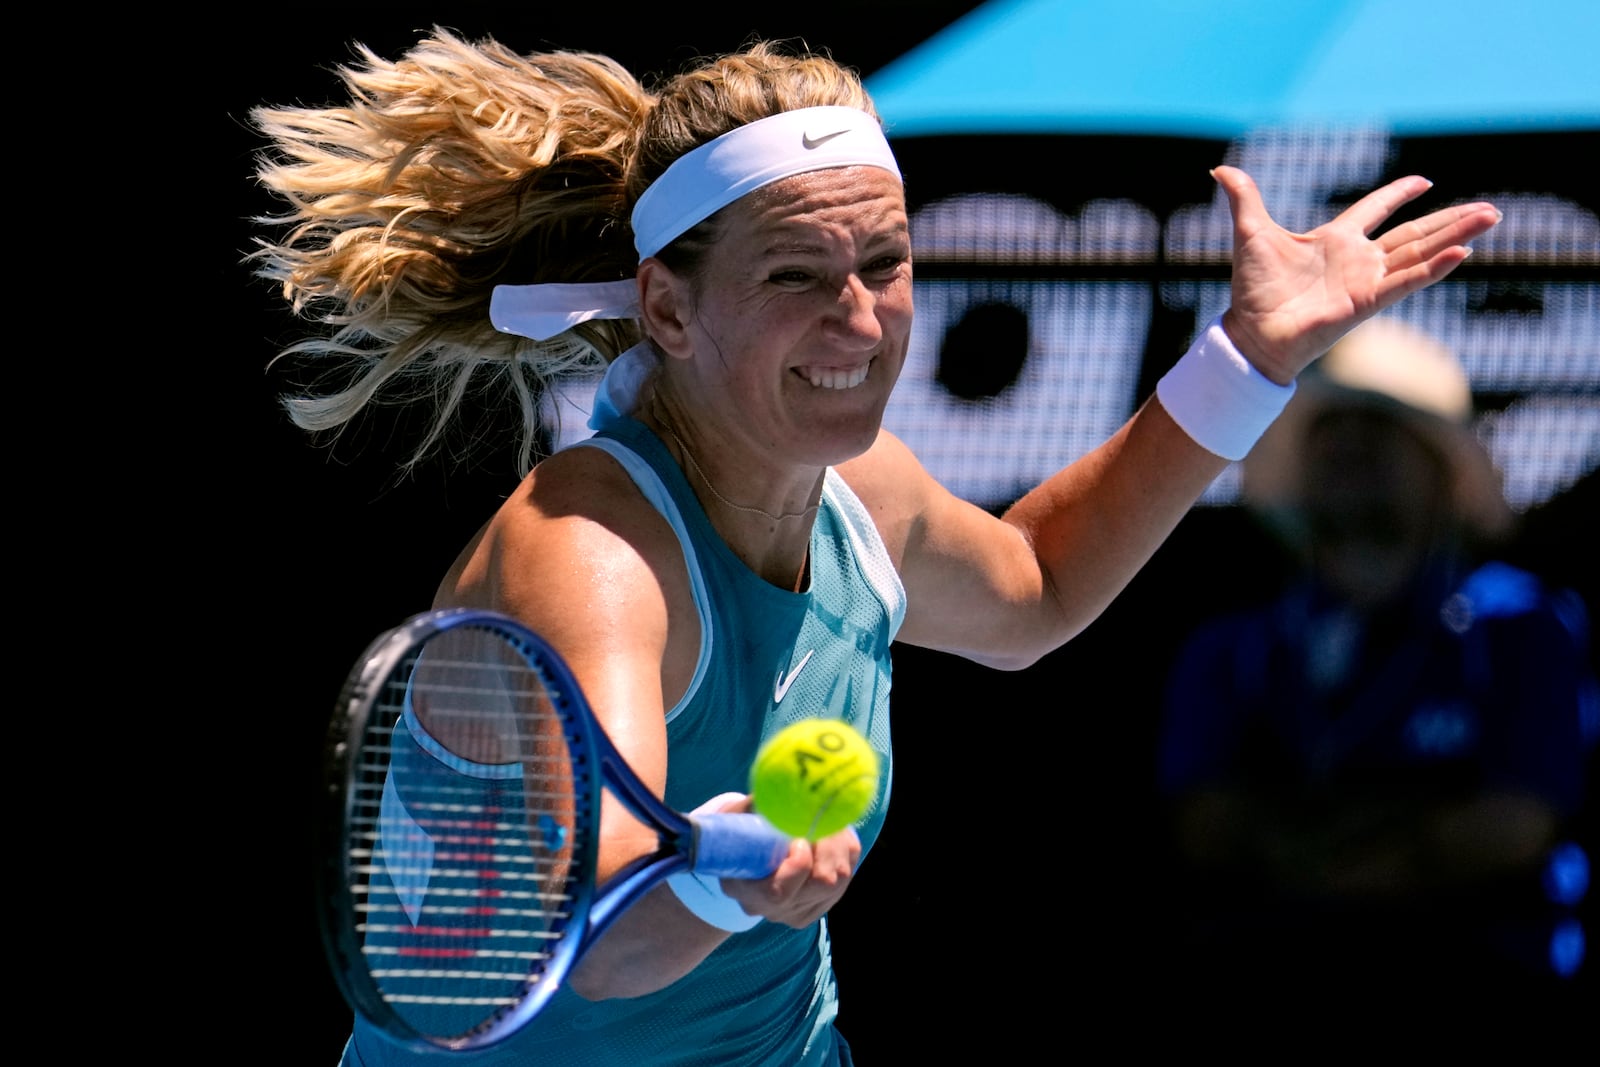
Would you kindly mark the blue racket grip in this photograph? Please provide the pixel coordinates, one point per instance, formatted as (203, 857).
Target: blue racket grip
(736, 845)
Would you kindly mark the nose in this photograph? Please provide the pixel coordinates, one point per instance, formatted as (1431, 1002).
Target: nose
(857, 314)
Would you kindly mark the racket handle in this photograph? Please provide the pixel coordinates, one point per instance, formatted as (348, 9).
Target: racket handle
(736, 845)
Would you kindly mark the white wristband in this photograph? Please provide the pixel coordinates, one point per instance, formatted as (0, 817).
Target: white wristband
(1218, 398)
(704, 896)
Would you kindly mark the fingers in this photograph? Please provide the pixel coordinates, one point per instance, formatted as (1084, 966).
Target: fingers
(1294, 294)
(1234, 182)
(811, 879)
(1398, 283)
(826, 861)
(1244, 198)
(795, 869)
(1372, 210)
(1419, 253)
(837, 853)
(1443, 228)
(1448, 226)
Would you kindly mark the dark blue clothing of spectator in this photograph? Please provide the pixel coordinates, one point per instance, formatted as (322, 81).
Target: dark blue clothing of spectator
(1377, 778)
(1334, 757)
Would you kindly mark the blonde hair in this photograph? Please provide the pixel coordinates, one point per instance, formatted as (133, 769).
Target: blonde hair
(465, 165)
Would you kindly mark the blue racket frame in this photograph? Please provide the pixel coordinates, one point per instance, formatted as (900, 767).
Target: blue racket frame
(737, 845)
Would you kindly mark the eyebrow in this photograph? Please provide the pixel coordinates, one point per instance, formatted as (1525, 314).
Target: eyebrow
(791, 248)
(787, 244)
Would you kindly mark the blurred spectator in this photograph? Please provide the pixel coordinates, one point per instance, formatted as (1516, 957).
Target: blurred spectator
(1377, 777)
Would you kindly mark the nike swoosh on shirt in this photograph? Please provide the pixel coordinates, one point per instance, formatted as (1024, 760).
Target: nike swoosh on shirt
(807, 141)
(784, 683)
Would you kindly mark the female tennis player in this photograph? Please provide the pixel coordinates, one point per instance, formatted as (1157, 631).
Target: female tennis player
(739, 541)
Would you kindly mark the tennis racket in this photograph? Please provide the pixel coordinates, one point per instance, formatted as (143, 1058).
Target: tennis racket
(463, 774)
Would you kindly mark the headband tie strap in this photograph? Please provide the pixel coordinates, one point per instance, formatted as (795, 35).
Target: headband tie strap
(544, 310)
(691, 190)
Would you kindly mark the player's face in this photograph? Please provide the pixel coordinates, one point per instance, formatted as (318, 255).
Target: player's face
(803, 311)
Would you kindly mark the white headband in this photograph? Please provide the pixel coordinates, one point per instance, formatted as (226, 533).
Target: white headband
(701, 182)
(697, 185)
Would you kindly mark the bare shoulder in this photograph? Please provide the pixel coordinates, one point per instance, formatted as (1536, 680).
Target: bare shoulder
(896, 489)
(577, 552)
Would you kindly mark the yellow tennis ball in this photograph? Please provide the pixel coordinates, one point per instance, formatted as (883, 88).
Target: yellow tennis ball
(814, 777)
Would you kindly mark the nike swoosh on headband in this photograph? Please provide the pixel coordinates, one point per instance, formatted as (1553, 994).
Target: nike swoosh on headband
(809, 142)
(708, 178)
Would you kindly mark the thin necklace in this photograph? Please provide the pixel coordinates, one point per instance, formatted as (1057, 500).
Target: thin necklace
(736, 507)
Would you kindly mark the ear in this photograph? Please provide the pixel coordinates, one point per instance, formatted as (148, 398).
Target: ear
(666, 306)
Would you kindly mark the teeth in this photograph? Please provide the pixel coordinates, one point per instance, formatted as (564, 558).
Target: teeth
(826, 378)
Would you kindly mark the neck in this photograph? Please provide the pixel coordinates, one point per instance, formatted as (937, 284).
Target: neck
(773, 544)
(698, 473)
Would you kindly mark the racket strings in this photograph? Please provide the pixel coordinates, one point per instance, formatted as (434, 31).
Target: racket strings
(464, 835)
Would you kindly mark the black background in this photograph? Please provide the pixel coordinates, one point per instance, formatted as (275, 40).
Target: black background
(1014, 898)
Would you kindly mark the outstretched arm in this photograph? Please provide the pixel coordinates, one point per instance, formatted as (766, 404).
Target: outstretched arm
(1006, 594)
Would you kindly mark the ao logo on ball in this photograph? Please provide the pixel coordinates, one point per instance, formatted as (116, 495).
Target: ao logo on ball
(814, 778)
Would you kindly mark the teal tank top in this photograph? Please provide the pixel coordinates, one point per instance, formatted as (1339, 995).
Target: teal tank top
(766, 997)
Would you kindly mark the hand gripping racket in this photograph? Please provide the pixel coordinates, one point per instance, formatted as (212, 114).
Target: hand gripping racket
(463, 775)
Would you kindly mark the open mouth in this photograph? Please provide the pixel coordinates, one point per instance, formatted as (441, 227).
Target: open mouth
(835, 377)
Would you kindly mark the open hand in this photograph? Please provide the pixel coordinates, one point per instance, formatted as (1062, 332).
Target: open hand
(806, 885)
(1295, 294)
